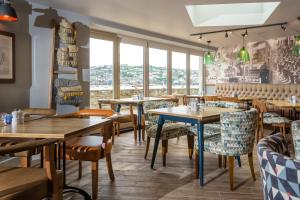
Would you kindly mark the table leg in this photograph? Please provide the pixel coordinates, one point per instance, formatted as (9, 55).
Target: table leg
(200, 152)
(161, 122)
(68, 189)
(139, 122)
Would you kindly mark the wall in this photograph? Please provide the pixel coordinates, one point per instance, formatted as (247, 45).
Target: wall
(271, 61)
(32, 57)
(16, 95)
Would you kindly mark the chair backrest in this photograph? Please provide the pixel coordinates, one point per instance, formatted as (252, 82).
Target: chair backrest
(152, 119)
(296, 138)
(238, 131)
(279, 173)
(223, 104)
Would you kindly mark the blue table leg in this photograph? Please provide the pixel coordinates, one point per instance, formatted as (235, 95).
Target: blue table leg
(139, 122)
(161, 122)
(200, 152)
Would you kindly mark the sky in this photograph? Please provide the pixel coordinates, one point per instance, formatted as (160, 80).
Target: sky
(101, 53)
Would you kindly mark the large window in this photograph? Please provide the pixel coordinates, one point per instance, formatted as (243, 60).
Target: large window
(195, 75)
(131, 70)
(158, 72)
(101, 70)
(178, 73)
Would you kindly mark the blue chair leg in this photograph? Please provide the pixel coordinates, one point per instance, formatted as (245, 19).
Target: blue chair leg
(238, 158)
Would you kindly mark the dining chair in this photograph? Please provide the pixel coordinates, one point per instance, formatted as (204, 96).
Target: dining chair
(269, 118)
(170, 129)
(236, 139)
(17, 183)
(296, 138)
(92, 147)
(279, 172)
(25, 156)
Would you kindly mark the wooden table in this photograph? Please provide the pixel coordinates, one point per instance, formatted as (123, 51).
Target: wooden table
(59, 128)
(187, 97)
(283, 104)
(185, 115)
(133, 101)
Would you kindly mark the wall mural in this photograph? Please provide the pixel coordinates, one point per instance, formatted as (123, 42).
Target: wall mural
(271, 62)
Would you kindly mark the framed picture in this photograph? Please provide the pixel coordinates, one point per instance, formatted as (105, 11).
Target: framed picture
(7, 57)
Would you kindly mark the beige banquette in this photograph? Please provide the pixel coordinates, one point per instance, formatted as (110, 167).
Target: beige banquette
(266, 91)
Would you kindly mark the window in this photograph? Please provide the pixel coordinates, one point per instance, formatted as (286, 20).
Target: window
(178, 73)
(195, 75)
(101, 70)
(131, 70)
(158, 72)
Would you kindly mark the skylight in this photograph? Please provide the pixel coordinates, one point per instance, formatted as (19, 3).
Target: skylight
(231, 14)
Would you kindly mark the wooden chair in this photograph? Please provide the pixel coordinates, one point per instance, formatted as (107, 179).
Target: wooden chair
(25, 157)
(92, 147)
(269, 118)
(31, 183)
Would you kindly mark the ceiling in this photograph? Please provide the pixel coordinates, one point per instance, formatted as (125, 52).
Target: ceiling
(169, 17)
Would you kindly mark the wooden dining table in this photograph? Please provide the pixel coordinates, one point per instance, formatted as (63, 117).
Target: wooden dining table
(186, 115)
(56, 128)
(133, 101)
(284, 104)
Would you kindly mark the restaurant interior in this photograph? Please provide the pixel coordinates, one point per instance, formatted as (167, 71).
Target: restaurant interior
(150, 100)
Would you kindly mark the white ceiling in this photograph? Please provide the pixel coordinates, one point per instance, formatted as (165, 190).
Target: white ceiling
(169, 17)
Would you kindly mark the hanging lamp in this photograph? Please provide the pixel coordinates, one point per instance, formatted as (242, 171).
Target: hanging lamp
(243, 54)
(7, 13)
(209, 57)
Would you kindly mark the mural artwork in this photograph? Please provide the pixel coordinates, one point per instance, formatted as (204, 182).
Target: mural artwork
(271, 62)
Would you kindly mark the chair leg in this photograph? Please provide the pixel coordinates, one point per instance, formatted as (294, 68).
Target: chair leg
(95, 166)
(143, 133)
(147, 147)
(164, 151)
(220, 161)
(231, 170)
(250, 160)
(118, 129)
(25, 161)
(190, 139)
(79, 169)
(114, 133)
(109, 166)
(224, 162)
(196, 163)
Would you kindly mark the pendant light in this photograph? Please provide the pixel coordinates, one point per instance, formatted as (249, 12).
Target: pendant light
(7, 13)
(243, 54)
(209, 58)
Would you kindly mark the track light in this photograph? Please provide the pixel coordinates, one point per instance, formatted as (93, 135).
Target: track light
(226, 35)
(200, 37)
(246, 33)
(283, 27)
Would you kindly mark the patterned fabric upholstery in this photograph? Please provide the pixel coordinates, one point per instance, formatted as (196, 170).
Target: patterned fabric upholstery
(280, 174)
(296, 138)
(209, 130)
(276, 120)
(237, 134)
(170, 129)
(223, 104)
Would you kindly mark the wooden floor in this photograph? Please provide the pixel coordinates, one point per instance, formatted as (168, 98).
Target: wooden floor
(136, 181)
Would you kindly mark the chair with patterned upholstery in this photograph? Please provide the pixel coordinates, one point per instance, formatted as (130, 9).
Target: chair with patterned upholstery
(296, 138)
(269, 118)
(170, 130)
(236, 139)
(279, 172)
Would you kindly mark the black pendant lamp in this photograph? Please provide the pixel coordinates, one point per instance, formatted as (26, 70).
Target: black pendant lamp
(7, 13)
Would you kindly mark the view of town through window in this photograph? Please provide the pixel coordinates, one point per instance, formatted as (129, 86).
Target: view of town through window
(101, 70)
(158, 72)
(178, 73)
(195, 74)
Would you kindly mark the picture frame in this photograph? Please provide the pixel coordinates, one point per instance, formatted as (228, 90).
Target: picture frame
(7, 57)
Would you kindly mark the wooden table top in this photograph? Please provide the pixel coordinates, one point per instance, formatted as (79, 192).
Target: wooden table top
(209, 113)
(283, 104)
(60, 128)
(132, 100)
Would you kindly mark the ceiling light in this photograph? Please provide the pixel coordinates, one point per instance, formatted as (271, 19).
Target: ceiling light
(229, 32)
(200, 37)
(283, 27)
(7, 13)
(209, 57)
(226, 35)
(246, 33)
(243, 54)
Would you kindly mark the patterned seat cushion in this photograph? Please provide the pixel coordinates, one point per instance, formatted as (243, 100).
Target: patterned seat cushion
(270, 114)
(276, 120)
(279, 173)
(169, 131)
(296, 138)
(209, 130)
